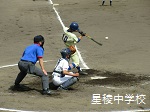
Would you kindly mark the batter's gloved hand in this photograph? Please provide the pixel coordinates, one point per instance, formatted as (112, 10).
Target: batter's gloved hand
(81, 32)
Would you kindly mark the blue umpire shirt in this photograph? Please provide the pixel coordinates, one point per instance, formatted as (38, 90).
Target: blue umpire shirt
(32, 53)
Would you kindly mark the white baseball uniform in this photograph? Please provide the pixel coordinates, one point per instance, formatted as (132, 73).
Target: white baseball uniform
(71, 39)
(58, 77)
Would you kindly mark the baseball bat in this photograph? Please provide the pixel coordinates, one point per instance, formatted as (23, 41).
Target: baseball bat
(94, 40)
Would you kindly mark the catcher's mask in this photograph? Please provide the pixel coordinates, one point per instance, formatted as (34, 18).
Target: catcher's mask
(65, 52)
(39, 38)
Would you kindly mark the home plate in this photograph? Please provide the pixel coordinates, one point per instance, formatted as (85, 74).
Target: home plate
(98, 77)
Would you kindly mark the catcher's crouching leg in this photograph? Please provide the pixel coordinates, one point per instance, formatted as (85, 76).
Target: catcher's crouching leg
(68, 83)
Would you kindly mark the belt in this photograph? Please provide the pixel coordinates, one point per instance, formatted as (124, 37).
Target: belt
(27, 61)
(59, 74)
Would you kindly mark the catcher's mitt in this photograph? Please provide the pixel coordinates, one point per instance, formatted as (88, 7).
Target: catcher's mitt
(72, 49)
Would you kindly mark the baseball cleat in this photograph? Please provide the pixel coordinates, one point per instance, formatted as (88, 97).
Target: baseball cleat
(47, 92)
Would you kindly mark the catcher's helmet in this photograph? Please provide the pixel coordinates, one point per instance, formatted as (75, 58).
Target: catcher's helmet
(65, 52)
(38, 38)
(74, 26)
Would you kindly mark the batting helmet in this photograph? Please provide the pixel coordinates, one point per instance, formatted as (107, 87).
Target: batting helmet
(65, 52)
(74, 26)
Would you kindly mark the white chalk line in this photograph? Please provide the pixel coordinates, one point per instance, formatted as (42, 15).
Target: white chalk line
(140, 110)
(6, 66)
(81, 59)
(60, 20)
(79, 54)
(14, 110)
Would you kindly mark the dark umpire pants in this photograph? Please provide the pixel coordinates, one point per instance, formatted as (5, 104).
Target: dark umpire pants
(28, 67)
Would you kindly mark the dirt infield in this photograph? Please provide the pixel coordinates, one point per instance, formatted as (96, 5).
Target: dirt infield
(119, 69)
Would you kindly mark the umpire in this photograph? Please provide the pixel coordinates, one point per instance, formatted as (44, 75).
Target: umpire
(30, 56)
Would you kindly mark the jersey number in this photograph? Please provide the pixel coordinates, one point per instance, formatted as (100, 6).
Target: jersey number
(64, 38)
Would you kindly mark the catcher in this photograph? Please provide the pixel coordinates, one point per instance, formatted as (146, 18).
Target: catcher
(62, 78)
(70, 40)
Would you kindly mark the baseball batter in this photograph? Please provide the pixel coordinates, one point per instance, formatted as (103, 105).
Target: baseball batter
(30, 56)
(61, 76)
(103, 2)
(70, 40)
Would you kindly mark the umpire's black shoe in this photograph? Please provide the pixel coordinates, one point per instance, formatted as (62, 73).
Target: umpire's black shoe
(18, 87)
(47, 92)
